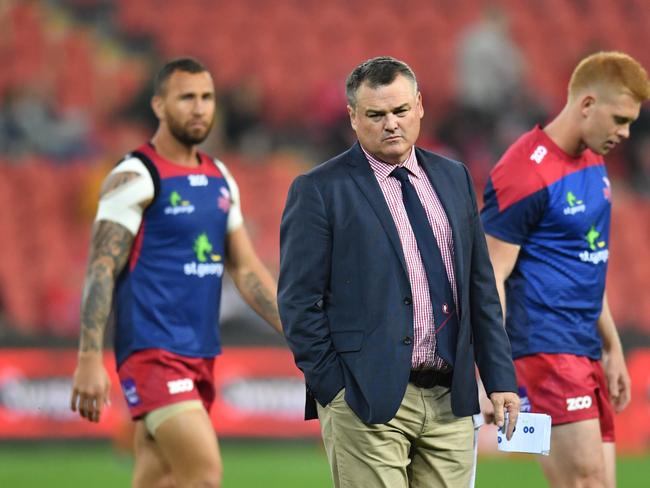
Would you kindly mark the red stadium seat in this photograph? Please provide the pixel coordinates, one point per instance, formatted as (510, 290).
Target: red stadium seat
(298, 50)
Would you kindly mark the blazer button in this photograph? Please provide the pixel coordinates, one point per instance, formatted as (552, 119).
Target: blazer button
(407, 300)
(407, 341)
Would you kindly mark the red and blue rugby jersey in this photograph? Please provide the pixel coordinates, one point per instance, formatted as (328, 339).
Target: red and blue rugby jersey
(168, 295)
(557, 208)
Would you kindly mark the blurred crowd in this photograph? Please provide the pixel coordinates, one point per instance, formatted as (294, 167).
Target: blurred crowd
(78, 87)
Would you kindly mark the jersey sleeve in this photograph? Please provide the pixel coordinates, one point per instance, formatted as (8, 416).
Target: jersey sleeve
(515, 200)
(235, 217)
(123, 205)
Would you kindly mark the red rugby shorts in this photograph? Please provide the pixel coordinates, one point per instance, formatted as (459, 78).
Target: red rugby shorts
(155, 378)
(568, 388)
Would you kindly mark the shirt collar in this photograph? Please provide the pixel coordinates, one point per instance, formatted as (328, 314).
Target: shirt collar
(383, 170)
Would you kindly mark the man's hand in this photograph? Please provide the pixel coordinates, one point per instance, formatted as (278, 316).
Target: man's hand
(487, 409)
(618, 379)
(90, 386)
(503, 401)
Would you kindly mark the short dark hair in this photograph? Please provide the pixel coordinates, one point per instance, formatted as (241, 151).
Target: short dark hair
(189, 65)
(376, 72)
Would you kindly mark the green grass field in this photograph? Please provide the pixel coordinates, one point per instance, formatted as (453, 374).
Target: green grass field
(247, 465)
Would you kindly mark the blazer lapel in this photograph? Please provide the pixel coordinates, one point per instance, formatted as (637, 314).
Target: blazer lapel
(444, 189)
(362, 174)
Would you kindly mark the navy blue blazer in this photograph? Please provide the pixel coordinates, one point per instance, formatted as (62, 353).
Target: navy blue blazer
(345, 297)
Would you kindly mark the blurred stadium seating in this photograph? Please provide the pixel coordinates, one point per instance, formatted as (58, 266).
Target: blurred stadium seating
(295, 50)
(326, 40)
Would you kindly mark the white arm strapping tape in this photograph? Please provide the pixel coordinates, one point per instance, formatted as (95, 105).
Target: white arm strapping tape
(123, 205)
(235, 217)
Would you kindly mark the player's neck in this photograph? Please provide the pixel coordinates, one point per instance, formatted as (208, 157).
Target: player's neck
(564, 132)
(173, 150)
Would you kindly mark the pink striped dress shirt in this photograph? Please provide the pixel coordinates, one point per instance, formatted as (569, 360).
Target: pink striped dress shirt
(424, 349)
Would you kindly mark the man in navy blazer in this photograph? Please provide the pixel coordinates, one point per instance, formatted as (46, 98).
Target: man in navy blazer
(389, 371)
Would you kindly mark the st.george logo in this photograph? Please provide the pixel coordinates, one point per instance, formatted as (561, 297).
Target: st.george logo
(207, 263)
(575, 205)
(178, 205)
(598, 252)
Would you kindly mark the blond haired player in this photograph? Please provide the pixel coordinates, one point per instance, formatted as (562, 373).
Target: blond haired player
(547, 218)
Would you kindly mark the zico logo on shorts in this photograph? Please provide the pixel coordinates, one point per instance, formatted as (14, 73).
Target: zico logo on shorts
(180, 386)
(578, 403)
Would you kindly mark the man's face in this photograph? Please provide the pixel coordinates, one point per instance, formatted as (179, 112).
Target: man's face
(607, 118)
(387, 119)
(187, 106)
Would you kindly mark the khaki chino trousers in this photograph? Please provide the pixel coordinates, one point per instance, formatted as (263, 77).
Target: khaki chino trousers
(424, 445)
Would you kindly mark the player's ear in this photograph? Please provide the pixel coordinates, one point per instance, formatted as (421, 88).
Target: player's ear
(157, 106)
(587, 103)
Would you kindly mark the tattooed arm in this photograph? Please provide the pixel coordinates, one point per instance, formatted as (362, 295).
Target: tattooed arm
(253, 280)
(109, 251)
